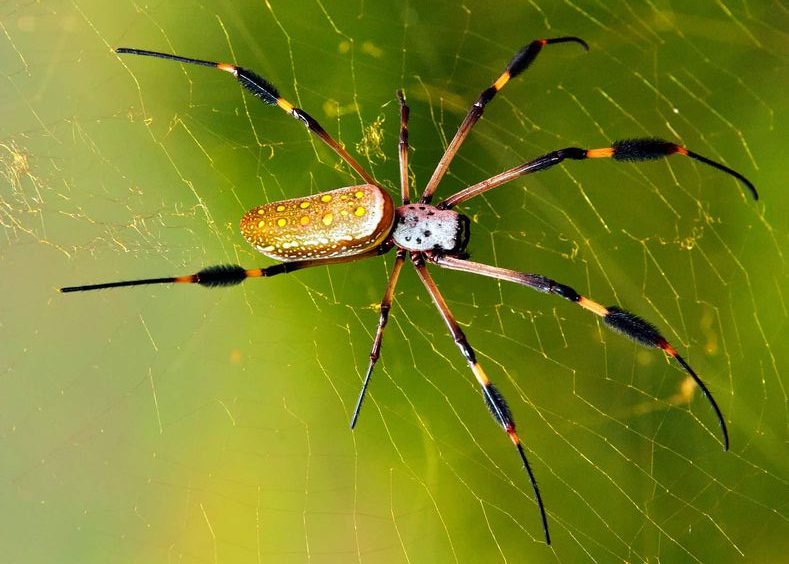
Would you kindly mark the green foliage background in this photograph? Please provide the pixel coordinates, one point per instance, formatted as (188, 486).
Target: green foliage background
(185, 425)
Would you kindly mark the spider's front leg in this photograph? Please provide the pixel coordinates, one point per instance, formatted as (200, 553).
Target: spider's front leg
(493, 399)
(519, 63)
(632, 150)
(616, 318)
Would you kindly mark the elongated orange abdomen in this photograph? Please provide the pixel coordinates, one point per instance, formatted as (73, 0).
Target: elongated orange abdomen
(338, 223)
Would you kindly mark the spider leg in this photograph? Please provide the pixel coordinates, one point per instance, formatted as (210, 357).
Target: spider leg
(386, 302)
(404, 112)
(519, 63)
(375, 352)
(267, 92)
(643, 149)
(227, 274)
(621, 321)
(493, 399)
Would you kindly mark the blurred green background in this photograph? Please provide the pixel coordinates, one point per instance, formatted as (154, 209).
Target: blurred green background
(180, 424)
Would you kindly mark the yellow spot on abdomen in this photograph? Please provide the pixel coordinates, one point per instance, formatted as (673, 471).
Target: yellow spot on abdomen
(339, 223)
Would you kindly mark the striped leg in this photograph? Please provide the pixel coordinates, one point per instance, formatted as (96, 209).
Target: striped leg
(621, 321)
(493, 399)
(265, 91)
(519, 63)
(226, 274)
(643, 149)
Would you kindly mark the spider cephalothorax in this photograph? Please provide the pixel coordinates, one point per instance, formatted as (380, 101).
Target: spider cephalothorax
(422, 227)
(357, 222)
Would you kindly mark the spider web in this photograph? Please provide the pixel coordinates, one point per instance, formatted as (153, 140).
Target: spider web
(182, 424)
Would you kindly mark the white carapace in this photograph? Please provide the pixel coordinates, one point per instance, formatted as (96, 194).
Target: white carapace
(422, 227)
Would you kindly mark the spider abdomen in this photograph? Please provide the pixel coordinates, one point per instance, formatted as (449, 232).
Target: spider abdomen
(422, 227)
(338, 223)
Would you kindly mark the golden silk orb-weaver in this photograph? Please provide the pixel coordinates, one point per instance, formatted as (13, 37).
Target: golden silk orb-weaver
(359, 222)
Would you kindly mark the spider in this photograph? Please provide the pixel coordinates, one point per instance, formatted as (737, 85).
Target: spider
(359, 222)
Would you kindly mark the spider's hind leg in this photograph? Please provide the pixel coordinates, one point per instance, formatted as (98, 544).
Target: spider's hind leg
(266, 92)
